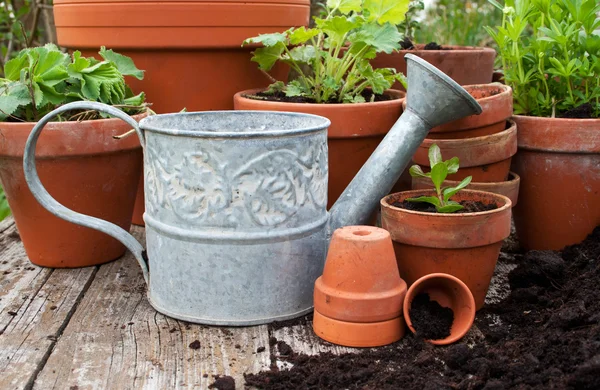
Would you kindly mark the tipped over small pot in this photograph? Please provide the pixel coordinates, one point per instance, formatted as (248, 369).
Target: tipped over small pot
(447, 292)
(465, 245)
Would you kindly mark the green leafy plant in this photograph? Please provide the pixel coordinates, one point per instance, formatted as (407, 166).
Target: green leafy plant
(550, 54)
(332, 59)
(439, 171)
(4, 209)
(410, 25)
(40, 79)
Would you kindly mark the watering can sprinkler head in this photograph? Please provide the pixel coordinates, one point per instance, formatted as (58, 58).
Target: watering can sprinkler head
(432, 99)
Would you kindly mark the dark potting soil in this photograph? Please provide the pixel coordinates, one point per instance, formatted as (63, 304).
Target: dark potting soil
(223, 383)
(431, 320)
(584, 111)
(407, 44)
(433, 46)
(469, 206)
(545, 335)
(279, 96)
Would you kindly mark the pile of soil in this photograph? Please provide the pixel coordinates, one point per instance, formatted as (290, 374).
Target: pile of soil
(546, 334)
(584, 111)
(279, 96)
(469, 206)
(407, 44)
(431, 320)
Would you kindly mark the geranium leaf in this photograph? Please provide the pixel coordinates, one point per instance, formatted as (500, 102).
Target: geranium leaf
(345, 6)
(383, 11)
(267, 56)
(302, 35)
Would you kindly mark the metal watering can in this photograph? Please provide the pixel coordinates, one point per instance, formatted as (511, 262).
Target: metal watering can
(237, 228)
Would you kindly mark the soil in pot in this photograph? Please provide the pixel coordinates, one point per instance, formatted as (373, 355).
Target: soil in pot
(430, 319)
(281, 97)
(546, 334)
(469, 206)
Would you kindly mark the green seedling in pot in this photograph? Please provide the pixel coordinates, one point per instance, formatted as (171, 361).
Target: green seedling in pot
(439, 171)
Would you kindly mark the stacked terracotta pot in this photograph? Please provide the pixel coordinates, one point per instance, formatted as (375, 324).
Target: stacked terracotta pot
(191, 50)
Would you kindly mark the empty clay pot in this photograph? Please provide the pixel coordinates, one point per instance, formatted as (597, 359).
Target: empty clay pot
(496, 102)
(355, 132)
(358, 299)
(559, 164)
(465, 245)
(508, 188)
(464, 64)
(486, 158)
(448, 291)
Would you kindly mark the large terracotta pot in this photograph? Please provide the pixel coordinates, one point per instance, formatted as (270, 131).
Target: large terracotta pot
(355, 131)
(464, 64)
(486, 158)
(559, 164)
(191, 50)
(465, 245)
(83, 168)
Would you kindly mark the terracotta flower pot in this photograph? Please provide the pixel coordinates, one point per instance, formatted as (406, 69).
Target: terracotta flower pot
(83, 168)
(191, 50)
(358, 299)
(559, 164)
(355, 131)
(464, 245)
(496, 102)
(486, 158)
(448, 291)
(508, 188)
(464, 64)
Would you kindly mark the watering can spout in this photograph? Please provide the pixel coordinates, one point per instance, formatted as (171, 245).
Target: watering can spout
(432, 99)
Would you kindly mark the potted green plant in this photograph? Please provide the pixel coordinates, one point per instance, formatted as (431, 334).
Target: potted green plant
(335, 80)
(447, 230)
(550, 53)
(79, 160)
(462, 56)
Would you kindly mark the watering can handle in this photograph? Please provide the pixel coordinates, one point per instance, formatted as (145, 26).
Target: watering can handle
(50, 204)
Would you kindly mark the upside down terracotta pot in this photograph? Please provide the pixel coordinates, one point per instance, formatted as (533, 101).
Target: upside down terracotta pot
(450, 292)
(191, 50)
(355, 132)
(559, 164)
(508, 188)
(83, 168)
(358, 299)
(486, 158)
(464, 64)
(465, 245)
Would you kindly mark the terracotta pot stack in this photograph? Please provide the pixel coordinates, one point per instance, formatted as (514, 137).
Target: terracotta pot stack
(191, 50)
(485, 144)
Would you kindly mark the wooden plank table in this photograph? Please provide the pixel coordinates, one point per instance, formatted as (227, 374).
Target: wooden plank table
(92, 328)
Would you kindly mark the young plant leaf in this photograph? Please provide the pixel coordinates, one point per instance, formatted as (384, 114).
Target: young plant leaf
(435, 155)
(439, 172)
(452, 165)
(451, 191)
(416, 171)
(449, 208)
(427, 199)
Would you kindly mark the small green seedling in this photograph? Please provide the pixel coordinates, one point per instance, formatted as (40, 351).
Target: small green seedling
(439, 171)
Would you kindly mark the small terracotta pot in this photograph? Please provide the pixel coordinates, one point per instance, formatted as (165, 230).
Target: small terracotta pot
(355, 131)
(508, 188)
(358, 299)
(464, 245)
(486, 158)
(448, 291)
(464, 64)
(199, 39)
(85, 169)
(496, 101)
(559, 164)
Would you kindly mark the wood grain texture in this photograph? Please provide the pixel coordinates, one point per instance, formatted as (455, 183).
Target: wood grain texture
(35, 305)
(116, 340)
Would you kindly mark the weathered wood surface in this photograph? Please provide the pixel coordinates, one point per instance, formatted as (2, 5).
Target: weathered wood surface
(93, 328)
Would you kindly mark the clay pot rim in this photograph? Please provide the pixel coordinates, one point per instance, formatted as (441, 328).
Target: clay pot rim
(558, 120)
(453, 49)
(507, 91)
(400, 96)
(472, 141)
(406, 309)
(476, 195)
(67, 124)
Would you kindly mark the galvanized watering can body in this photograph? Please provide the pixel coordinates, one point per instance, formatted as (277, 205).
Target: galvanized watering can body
(236, 222)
